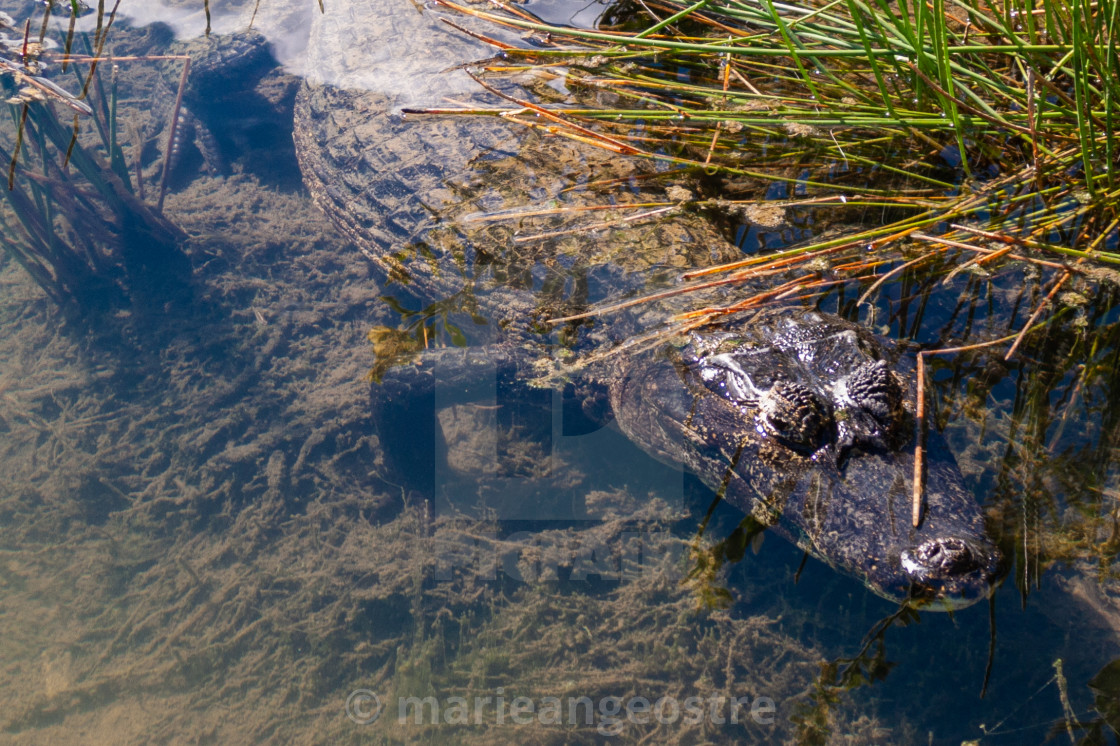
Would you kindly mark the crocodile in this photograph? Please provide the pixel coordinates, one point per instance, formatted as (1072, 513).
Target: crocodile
(803, 420)
(800, 418)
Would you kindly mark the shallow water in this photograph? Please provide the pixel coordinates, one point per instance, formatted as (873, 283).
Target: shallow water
(199, 544)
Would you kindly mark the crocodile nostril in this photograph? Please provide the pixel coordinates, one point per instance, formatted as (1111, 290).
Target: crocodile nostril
(949, 555)
(942, 558)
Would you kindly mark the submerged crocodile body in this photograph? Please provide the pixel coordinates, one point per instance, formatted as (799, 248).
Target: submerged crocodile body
(799, 418)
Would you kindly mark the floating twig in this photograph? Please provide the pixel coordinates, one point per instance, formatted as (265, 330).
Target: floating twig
(897, 270)
(1038, 311)
(45, 87)
(597, 226)
(171, 132)
(919, 446)
(655, 296)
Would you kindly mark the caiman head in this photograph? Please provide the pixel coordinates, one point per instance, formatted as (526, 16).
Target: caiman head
(805, 421)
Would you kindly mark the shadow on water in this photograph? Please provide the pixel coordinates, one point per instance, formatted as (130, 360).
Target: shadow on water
(204, 541)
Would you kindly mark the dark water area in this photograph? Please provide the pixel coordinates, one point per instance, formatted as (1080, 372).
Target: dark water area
(216, 529)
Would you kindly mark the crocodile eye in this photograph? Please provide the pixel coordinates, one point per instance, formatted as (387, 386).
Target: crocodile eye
(792, 412)
(875, 390)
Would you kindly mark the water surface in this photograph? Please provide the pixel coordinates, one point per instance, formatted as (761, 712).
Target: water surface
(199, 544)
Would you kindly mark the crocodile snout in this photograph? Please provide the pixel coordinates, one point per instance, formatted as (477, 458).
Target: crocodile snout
(940, 557)
(950, 566)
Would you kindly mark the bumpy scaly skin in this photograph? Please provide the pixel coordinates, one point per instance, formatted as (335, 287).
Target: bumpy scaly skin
(838, 483)
(811, 439)
(406, 188)
(223, 67)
